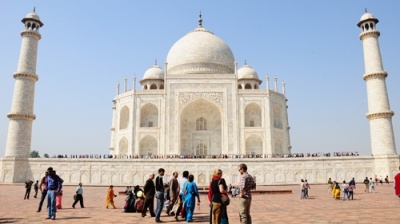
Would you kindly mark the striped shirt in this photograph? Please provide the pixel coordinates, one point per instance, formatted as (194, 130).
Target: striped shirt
(246, 184)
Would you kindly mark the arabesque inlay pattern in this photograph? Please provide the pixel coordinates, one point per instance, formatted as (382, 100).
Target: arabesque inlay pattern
(185, 98)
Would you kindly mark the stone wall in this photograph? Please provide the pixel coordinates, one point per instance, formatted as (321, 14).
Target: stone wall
(268, 171)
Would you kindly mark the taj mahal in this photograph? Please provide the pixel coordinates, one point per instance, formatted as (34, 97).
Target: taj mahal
(200, 111)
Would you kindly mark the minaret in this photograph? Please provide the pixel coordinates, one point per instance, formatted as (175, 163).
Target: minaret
(21, 115)
(379, 113)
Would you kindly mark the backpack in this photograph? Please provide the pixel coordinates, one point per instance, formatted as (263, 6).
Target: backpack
(250, 179)
(366, 181)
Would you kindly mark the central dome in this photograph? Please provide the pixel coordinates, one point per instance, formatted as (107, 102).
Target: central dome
(200, 52)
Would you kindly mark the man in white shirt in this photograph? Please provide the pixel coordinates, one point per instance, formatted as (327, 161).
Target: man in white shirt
(78, 196)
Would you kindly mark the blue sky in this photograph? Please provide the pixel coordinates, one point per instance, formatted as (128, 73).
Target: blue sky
(89, 46)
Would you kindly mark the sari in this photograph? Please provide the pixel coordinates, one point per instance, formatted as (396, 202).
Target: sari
(110, 198)
(336, 191)
(190, 194)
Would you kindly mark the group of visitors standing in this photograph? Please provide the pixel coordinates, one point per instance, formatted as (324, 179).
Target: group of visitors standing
(181, 196)
(344, 190)
(50, 186)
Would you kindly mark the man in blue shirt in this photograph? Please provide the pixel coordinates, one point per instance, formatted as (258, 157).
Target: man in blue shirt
(54, 186)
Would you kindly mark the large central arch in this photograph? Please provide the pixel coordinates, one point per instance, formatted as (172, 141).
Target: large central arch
(201, 131)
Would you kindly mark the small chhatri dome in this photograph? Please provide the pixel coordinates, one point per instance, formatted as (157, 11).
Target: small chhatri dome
(33, 16)
(367, 17)
(154, 72)
(200, 52)
(247, 72)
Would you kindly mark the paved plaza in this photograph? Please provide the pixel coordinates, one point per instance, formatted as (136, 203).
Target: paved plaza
(379, 207)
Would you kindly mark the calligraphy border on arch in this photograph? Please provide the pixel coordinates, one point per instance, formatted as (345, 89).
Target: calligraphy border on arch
(185, 98)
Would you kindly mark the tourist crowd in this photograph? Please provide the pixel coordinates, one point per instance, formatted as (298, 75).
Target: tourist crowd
(221, 156)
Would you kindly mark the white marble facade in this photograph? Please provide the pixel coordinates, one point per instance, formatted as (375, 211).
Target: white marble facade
(200, 104)
(268, 171)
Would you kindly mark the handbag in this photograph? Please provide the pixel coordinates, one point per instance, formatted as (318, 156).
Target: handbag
(225, 199)
(183, 211)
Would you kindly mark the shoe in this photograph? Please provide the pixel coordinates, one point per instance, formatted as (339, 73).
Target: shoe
(54, 218)
(143, 215)
(48, 218)
(176, 218)
(153, 215)
(159, 221)
(73, 207)
(172, 213)
(38, 211)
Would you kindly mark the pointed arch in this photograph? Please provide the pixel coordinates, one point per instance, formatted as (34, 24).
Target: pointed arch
(252, 114)
(149, 116)
(148, 146)
(201, 123)
(123, 146)
(124, 118)
(254, 145)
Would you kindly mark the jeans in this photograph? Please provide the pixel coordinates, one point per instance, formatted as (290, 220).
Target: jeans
(160, 205)
(244, 210)
(51, 203)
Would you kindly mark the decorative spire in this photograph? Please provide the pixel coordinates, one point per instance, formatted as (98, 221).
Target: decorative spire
(155, 62)
(200, 20)
(366, 10)
(245, 62)
(34, 9)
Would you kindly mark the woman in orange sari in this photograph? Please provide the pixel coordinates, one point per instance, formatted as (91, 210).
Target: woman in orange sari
(110, 197)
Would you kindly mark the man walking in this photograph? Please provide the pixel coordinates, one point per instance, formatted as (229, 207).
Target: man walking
(173, 192)
(159, 193)
(179, 202)
(54, 186)
(79, 196)
(149, 191)
(36, 188)
(28, 186)
(247, 183)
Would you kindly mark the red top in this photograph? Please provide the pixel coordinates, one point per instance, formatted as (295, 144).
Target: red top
(397, 184)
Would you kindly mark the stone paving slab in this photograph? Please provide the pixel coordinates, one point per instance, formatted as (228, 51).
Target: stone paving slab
(382, 207)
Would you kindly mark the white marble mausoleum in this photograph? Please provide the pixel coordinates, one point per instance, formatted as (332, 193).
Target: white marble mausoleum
(199, 106)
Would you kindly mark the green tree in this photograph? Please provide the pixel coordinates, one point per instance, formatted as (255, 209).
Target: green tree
(35, 154)
(46, 155)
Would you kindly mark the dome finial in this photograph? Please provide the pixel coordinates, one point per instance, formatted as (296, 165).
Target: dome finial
(200, 20)
(34, 9)
(245, 62)
(366, 10)
(155, 62)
